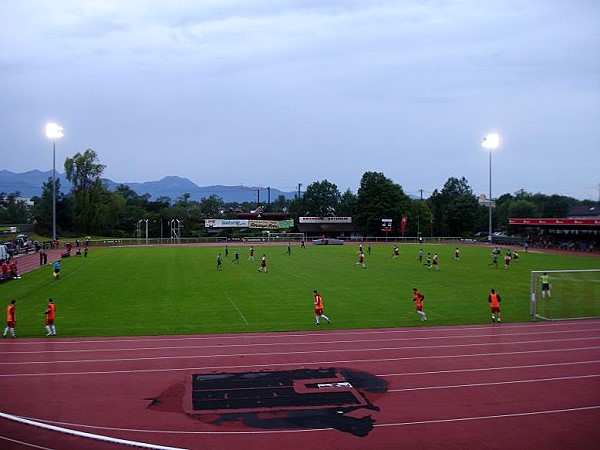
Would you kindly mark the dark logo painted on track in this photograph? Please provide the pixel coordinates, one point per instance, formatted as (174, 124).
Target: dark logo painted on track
(287, 399)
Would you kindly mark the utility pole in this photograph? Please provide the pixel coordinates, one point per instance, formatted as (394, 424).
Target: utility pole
(419, 216)
(299, 186)
(269, 195)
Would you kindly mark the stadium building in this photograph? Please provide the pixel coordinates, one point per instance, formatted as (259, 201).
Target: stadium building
(579, 231)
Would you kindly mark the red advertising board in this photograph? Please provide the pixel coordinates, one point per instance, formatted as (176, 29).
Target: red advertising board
(561, 222)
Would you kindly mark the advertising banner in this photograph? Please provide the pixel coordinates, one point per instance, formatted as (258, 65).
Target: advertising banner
(285, 224)
(592, 222)
(403, 224)
(246, 223)
(325, 219)
(225, 223)
(264, 224)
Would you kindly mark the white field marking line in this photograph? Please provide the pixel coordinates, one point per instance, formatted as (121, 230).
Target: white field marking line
(496, 416)
(329, 334)
(308, 430)
(236, 308)
(485, 369)
(329, 341)
(495, 383)
(230, 355)
(25, 443)
(289, 364)
(84, 434)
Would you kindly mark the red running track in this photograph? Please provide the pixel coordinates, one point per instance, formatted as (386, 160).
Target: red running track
(502, 386)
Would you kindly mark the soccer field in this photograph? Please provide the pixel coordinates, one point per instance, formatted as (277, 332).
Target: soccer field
(178, 289)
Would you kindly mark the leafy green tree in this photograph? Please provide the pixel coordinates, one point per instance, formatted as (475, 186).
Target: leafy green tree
(211, 207)
(42, 210)
(83, 170)
(501, 213)
(419, 218)
(347, 204)
(455, 208)
(555, 205)
(189, 214)
(378, 198)
(522, 209)
(280, 204)
(136, 207)
(321, 199)
(184, 201)
(13, 209)
(95, 210)
(109, 208)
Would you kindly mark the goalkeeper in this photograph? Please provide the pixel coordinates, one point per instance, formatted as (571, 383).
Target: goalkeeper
(545, 279)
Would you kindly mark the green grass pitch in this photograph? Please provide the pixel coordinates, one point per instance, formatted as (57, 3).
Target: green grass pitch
(178, 290)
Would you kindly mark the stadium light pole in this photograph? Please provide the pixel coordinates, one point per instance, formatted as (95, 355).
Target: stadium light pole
(54, 132)
(491, 142)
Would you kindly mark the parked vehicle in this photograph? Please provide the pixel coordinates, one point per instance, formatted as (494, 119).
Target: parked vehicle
(3, 252)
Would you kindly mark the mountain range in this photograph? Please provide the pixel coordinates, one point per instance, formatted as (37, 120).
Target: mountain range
(29, 184)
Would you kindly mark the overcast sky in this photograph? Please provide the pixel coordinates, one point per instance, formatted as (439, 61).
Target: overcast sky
(276, 93)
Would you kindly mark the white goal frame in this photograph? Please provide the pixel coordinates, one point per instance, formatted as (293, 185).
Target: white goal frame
(286, 237)
(535, 274)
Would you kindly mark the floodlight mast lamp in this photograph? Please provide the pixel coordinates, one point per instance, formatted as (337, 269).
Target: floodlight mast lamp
(491, 142)
(54, 132)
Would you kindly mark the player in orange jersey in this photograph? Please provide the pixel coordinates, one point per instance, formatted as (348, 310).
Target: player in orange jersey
(319, 308)
(11, 319)
(50, 311)
(494, 301)
(418, 298)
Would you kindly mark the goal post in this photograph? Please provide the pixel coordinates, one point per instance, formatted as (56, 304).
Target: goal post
(565, 294)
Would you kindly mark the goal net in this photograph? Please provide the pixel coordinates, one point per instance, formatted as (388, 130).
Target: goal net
(286, 237)
(565, 294)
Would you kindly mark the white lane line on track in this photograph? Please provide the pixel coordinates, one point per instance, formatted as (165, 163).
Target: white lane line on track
(294, 363)
(25, 444)
(491, 417)
(485, 369)
(494, 383)
(83, 434)
(309, 430)
(500, 331)
(303, 352)
(294, 343)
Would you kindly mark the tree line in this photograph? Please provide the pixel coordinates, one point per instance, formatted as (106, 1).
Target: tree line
(91, 208)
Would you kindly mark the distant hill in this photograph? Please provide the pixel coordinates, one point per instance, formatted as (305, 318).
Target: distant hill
(29, 184)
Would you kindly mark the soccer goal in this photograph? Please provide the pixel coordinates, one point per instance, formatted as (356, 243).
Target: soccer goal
(286, 237)
(565, 294)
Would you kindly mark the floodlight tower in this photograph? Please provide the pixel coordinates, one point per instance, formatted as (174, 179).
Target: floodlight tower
(54, 132)
(491, 142)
